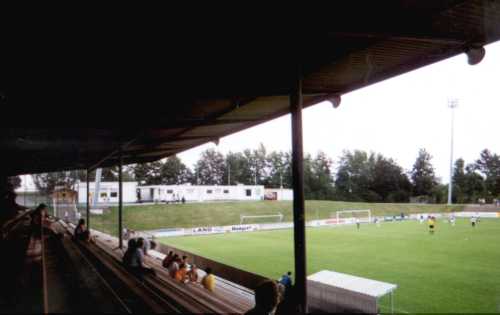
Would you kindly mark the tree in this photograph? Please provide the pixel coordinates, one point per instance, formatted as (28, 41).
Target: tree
(371, 178)
(259, 159)
(47, 182)
(280, 170)
(321, 181)
(422, 175)
(439, 193)
(148, 173)
(353, 177)
(489, 165)
(389, 181)
(459, 182)
(174, 172)
(109, 174)
(237, 169)
(474, 185)
(209, 169)
(308, 177)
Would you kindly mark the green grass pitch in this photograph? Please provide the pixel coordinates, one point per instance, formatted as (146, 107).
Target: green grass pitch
(455, 270)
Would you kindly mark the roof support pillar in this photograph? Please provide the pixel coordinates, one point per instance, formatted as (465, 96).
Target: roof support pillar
(120, 201)
(88, 199)
(299, 228)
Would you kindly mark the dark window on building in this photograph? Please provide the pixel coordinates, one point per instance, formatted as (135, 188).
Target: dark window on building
(226, 191)
(249, 192)
(209, 191)
(104, 195)
(114, 194)
(170, 191)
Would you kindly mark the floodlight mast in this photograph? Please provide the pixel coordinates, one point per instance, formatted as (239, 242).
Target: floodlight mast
(452, 104)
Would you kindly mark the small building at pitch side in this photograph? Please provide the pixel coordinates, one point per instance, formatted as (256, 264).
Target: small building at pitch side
(108, 192)
(200, 193)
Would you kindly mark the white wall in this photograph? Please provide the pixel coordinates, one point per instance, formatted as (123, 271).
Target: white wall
(108, 192)
(201, 193)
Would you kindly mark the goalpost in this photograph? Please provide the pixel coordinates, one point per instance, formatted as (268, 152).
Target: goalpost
(364, 216)
(279, 216)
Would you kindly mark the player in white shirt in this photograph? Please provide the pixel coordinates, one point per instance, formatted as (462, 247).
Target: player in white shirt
(473, 221)
(452, 220)
(357, 223)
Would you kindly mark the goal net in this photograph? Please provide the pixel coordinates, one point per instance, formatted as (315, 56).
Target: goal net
(351, 216)
(265, 218)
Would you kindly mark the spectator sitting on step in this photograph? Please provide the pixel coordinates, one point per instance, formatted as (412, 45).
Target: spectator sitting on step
(81, 232)
(193, 274)
(39, 220)
(185, 259)
(174, 265)
(131, 245)
(181, 274)
(266, 298)
(126, 234)
(131, 234)
(168, 259)
(281, 292)
(147, 245)
(208, 281)
(286, 280)
(152, 245)
(133, 259)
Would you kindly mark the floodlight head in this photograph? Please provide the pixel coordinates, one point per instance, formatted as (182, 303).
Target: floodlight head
(475, 54)
(335, 100)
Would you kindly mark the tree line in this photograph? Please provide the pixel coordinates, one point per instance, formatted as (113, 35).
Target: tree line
(356, 175)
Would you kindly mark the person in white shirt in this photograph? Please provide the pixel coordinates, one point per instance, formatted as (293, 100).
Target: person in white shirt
(357, 223)
(473, 221)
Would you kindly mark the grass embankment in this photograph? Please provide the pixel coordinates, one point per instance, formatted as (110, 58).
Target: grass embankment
(152, 217)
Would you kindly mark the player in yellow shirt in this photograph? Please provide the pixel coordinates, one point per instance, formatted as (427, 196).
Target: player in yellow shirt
(208, 282)
(432, 222)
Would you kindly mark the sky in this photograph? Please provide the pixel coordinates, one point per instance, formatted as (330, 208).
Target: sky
(396, 117)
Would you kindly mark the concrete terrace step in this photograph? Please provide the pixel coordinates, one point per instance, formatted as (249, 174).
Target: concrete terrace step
(224, 290)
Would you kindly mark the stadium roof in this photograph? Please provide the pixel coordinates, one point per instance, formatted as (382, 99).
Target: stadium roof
(197, 86)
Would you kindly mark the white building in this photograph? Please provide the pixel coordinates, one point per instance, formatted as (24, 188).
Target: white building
(133, 193)
(278, 194)
(195, 193)
(108, 192)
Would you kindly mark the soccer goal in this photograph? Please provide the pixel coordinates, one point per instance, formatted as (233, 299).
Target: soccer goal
(260, 218)
(350, 216)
